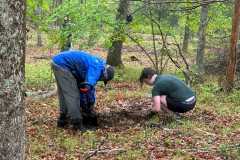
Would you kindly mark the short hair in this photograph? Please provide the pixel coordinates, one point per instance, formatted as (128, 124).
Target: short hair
(146, 73)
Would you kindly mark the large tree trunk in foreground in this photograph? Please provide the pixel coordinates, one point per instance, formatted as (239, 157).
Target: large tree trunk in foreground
(115, 51)
(12, 49)
(232, 59)
(202, 38)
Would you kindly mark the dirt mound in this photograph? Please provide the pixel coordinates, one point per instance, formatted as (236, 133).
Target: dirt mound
(129, 113)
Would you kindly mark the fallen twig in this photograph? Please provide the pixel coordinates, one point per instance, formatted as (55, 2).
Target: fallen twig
(93, 153)
(207, 133)
(42, 57)
(109, 151)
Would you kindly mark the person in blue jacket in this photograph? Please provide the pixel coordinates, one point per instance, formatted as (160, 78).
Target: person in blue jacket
(76, 73)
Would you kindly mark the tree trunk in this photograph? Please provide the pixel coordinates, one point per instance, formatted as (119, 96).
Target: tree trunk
(202, 38)
(39, 39)
(186, 36)
(114, 57)
(38, 13)
(115, 51)
(12, 50)
(232, 58)
(55, 4)
(82, 1)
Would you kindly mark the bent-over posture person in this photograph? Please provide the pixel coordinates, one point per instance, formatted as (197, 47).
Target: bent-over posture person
(169, 93)
(76, 73)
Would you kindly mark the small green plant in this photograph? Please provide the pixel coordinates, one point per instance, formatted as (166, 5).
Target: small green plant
(37, 148)
(179, 153)
(234, 97)
(223, 150)
(167, 142)
(132, 154)
(229, 152)
(90, 138)
(69, 143)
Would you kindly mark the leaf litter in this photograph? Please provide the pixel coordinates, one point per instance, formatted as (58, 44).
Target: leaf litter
(124, 126)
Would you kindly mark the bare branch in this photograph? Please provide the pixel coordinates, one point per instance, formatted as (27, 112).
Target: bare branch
(178, 51)
(196, 4)
(141, 47)
(164, 41)
(181, 54)
(186, 2)
(199, 5)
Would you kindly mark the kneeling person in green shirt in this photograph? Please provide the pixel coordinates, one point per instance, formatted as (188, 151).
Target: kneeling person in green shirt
(169, 93)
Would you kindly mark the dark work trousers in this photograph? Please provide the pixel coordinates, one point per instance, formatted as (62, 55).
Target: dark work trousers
(68, 92)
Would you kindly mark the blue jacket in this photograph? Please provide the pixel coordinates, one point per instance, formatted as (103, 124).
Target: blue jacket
(84, 66)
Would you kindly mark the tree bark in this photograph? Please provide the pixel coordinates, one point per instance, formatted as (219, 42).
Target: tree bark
(202, 38)
(186, 36)
(38, 13)
(12, 51)
(115, 51)
(232, 58)
(39, 39)
(56, 3)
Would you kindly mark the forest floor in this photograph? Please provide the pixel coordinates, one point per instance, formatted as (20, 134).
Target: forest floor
(210, 131)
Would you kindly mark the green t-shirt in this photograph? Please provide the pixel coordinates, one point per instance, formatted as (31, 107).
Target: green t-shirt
(172, 87)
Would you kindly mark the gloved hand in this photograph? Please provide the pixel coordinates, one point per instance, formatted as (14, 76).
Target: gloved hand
(84, 88)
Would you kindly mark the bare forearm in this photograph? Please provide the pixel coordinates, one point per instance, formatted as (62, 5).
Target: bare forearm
(156, 104)
(155, 109)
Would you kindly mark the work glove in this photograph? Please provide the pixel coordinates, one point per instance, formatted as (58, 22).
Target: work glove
(85, 87)
(84, 90)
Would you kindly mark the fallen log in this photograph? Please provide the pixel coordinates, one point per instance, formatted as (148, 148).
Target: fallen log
(39, 95)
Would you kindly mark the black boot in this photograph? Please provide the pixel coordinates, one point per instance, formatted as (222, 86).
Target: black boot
(78, 125)
(62, 121)
(93, 119)
(90, 120)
